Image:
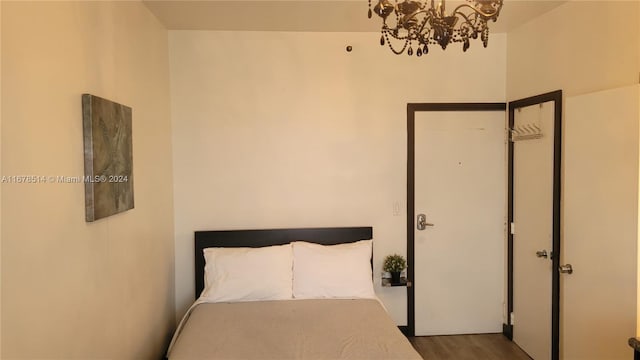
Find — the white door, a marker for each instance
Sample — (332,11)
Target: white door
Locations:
(598,300)
(460,187)
(533,164)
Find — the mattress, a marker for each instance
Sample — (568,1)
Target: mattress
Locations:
(291,329)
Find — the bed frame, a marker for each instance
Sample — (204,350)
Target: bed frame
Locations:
(268,237)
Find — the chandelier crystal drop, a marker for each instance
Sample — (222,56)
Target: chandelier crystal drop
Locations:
(413,23)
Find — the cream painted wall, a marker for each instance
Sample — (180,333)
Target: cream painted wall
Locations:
(579,47)
(72,289)
(276,129)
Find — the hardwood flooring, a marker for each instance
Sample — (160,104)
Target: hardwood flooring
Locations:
(467,347)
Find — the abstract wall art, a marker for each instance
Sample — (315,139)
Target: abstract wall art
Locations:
(108,157)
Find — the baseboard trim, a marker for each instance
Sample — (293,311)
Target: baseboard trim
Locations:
(507,330)
(404,330)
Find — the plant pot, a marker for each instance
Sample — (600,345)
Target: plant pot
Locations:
(395,277)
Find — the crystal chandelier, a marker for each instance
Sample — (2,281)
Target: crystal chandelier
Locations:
(422,24)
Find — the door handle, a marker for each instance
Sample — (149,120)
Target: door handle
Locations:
(542,254)
(422,222)
(566,269)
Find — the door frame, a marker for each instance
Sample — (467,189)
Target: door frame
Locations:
(412,108)
(507,329)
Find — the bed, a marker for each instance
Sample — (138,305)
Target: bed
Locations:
(291,303)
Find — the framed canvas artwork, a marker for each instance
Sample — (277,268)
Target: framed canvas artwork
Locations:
(108,157)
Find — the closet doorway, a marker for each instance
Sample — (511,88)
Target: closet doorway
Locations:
(534,224)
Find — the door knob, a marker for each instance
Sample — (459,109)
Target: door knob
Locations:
(566,269)
(542,254)
(422,222)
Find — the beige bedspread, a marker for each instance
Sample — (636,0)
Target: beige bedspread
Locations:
(292,329)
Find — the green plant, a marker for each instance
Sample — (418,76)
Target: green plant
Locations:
(394,263)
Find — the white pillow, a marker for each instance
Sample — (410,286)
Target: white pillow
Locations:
(332,271)
(248,274)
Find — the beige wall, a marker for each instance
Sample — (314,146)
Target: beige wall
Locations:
(276,129)
(579,47)
(72,289)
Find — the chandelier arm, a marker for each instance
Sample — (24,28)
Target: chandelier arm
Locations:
(424,23)
(467,21)
(420,12)
(422,35)
(480,12)
(428,15)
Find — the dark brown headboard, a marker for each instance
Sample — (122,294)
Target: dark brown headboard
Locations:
(259,238)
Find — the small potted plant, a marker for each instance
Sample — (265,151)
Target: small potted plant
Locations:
(394,264)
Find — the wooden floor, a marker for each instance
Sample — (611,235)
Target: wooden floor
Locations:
(468,347)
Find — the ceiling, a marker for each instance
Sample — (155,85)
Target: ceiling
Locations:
(302,15)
